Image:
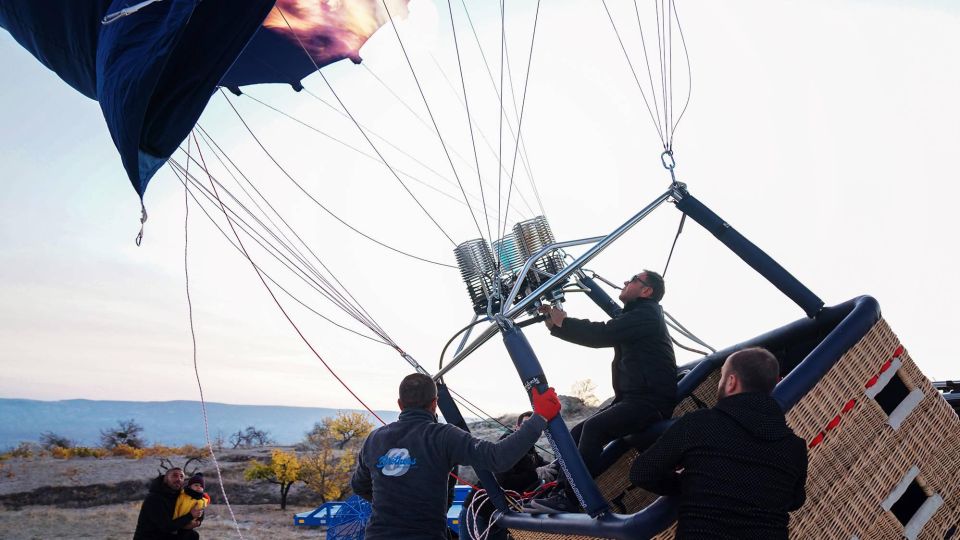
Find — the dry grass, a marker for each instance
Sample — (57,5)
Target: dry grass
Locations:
(116,522)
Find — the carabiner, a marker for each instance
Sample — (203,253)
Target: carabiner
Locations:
(667,159)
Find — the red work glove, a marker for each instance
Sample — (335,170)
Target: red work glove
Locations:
(546,404)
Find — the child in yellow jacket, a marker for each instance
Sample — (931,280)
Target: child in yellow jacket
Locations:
(191,496)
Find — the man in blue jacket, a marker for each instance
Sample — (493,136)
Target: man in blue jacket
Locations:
(644,373)
(402,467)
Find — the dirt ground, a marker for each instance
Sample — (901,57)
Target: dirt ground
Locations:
(117,522)
(18,475)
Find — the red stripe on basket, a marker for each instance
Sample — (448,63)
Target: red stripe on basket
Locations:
(873,380)
(833,423)
(886,365)
(849,406)
(899,351)
(817,440)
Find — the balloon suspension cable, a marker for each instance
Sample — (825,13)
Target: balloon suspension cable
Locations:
(193,340)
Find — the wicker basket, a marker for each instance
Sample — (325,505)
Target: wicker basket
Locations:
(860,452)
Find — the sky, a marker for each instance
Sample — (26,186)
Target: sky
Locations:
(825,132)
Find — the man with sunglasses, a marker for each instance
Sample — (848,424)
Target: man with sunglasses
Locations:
(644,373)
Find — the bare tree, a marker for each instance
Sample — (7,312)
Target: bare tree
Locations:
(50,440)
(584,390)
(126,432)
(250,437)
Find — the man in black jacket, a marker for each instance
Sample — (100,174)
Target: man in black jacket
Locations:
(402,467)
(738,468)
(155,521)
(644,371)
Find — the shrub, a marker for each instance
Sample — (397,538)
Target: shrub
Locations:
(50,440)
(85,451)
(127,451)
(59,452)
(24,450)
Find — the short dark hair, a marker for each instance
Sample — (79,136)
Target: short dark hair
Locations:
(757,368)
(655,282)
(417,391)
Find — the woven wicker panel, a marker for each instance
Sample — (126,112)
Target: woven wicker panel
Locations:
(706,392)
(831,461)
(615,481)
(860,461)
(668,534)
(949,515)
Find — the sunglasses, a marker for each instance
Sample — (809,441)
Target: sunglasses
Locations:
(638,278)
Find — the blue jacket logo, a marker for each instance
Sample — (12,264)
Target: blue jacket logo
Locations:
(396,462)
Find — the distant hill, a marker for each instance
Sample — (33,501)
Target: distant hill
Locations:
(167,422)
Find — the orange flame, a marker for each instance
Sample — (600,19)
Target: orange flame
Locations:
(329,28)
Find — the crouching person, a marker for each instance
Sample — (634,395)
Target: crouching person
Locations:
(402,467)
(738,468)
(156,521)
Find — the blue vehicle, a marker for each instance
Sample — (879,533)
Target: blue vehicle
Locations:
(453,513)
(318,517)
(323,515)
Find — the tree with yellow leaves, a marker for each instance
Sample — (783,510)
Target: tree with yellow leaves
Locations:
(283,470)
(327,471)
(331,453)
(343,429)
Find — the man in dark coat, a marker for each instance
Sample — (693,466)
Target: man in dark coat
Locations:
(738,468)
(156,514)
(644,372)
(402,467)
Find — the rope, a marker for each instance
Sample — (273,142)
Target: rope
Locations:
(524,154)
(683,218)
(179,167)
(193,340)
(359,151)
(433,120)
(362,132)
(686,53)
(355,308)
(324,288)
(646,60)
(687,333)
(466,104)
(260,274)
(321,205)
(500,115)
(523,103)
(424,123)
(280,306)
(655,118)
